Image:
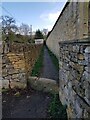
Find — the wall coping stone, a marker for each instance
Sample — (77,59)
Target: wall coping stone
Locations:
(83,41)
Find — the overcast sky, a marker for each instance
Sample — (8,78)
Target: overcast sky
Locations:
(38,14)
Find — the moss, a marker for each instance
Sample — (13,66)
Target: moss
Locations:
(4,90)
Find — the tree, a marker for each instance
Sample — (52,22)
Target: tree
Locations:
(38,35)
(8,29)
(8,25)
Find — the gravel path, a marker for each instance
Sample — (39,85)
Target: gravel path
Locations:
(49,69)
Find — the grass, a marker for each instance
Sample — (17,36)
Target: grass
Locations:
(3,90)
(38,65)
(54,59)
(56,109)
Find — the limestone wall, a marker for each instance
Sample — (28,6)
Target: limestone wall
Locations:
(89,20)
(18,63)
(69,41)
(74,77)
(71,24)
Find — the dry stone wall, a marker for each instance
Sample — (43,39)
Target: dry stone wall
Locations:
(74,77)
(18,63)
(0,77)
(13,70)
(89,21)
(71,24)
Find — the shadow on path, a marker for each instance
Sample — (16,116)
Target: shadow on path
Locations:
(49,70)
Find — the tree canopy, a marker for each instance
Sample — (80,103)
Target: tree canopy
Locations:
(38,35)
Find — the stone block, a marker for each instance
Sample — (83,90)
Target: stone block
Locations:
(86,115)
(81,49)
(17,84)
(87,50)
(87,57)
(8,77)
(81,57)
(83,62)
(76,48)
(87,69)
(70,112)
(87,100)
(15,76)
(5,84)
(86,76)
(60,64)
(79,110)
(43,84)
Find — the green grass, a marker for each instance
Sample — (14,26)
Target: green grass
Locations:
(38,65)
(56,109)
(54,59)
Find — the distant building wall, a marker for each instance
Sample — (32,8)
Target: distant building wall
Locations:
(71,24)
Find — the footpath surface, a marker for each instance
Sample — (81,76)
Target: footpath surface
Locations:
(49,70)
(27,105)
(30,104)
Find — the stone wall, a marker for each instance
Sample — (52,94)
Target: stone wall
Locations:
(71,24)
(89,20)
(69,41)
(18,63)
(74,77)
(0,78)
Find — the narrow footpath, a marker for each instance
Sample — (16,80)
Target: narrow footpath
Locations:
(49,70)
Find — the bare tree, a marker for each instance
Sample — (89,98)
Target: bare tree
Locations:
(8,25)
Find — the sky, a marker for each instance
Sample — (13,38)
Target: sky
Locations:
(38,14)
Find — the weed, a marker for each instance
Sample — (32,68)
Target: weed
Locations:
(56,109)
(38,65)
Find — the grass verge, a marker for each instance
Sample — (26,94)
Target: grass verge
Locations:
(54,58)
(56,109)
(38,65)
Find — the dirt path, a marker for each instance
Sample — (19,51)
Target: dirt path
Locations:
(49,70)
(27,105)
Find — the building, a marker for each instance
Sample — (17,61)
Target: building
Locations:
(45,31)
(39,41)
